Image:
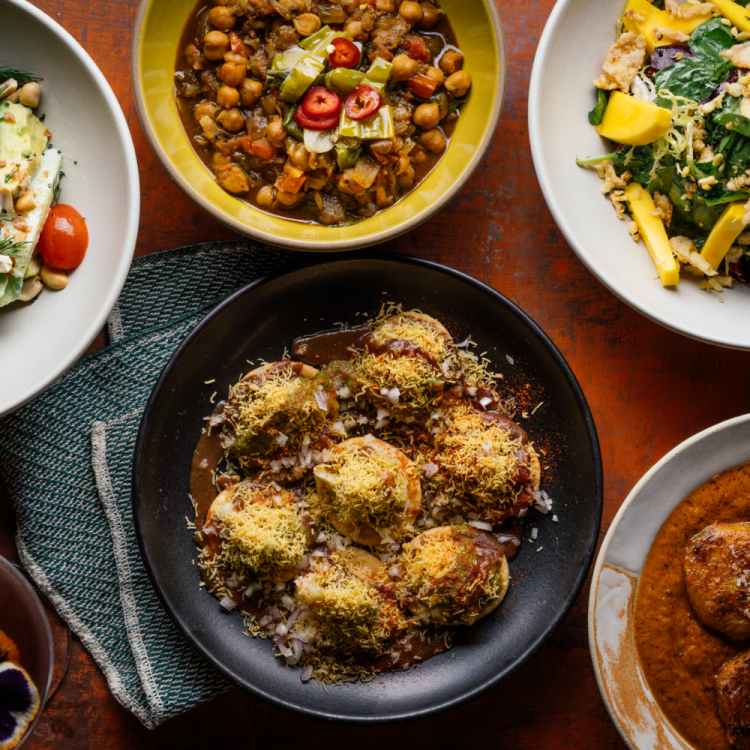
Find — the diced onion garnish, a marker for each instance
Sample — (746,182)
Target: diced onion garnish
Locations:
(322,398)
(534,533)
(227,604)
(288,602)
(394,571)
(393,395)
(430,470)
(306,673)
(464,343)
(482,525)
(282,439)
(485,402)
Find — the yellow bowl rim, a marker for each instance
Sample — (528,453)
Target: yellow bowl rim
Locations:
(322,245)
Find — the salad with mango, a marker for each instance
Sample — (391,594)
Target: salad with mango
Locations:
(674,100)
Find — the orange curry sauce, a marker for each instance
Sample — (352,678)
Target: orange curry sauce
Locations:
(679,657)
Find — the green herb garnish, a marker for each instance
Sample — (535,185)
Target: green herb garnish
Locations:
(21,76)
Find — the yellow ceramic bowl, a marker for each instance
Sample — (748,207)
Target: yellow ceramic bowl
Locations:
(156,36)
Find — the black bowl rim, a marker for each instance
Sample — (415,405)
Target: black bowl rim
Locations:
(302,265)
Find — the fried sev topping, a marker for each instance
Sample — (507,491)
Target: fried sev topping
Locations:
(445,574)
(477,458)
(360,484)
(258,411)
(349,614)
(264,532)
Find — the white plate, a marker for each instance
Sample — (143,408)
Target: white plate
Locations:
(617,571)
(569,59)
(41,340)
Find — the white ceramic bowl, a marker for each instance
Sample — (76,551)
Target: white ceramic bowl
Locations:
(617,571)
(569,59)
(41,340)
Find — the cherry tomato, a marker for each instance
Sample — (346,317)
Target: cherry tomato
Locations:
(362,103)
(325,123)
(64,238)
(346,54)
(320,104)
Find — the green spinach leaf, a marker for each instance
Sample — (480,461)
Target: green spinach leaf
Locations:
(696,77)
(597,113)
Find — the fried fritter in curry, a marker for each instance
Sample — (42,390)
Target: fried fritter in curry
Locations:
(733,697)
(717,577)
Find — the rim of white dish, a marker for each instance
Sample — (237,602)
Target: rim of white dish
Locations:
(542,173)
(318,246)
(132,181)
(600,558)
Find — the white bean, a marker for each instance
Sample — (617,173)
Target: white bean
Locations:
(54,278)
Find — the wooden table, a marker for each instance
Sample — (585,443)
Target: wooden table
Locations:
(648,388)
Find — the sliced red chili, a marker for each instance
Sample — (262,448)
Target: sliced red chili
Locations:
(345,54)
(362,103)
(325,123)
(320,103)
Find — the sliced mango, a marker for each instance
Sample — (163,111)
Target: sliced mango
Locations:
(726,230)
(739,16)
(632,121)
(653,17)
(653,233)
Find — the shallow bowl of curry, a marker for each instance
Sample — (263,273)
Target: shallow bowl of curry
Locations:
(644,637)
(157,40)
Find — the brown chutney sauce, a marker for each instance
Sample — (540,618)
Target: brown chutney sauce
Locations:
(679,657)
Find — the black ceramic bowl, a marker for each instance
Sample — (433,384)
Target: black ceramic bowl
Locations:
(262,319)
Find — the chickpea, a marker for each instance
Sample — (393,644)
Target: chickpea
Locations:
(307,24)
(293,7)
(215,45)
(426,116)
(219,160)
(25,203)
(451,61)
(459,83)
(431,15)
(385,6)
(222,18)
(53,278)
(418,155)
(276,132)
(404,68)
(233,179)
(300,156)
(228,97)
(233,74)
(356,30)
(411,12)
(231,119)
(406,179)
(436,74)
(265,196)
(30,94)
(250,92)
(192,53)
(433,140)
(204,109)
(289,200)
(404,162)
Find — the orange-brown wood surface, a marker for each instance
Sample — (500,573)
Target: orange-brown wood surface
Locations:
(648,388)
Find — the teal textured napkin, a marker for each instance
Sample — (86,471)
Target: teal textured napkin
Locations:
(66,460)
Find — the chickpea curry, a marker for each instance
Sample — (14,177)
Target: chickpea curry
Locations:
(318,111)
